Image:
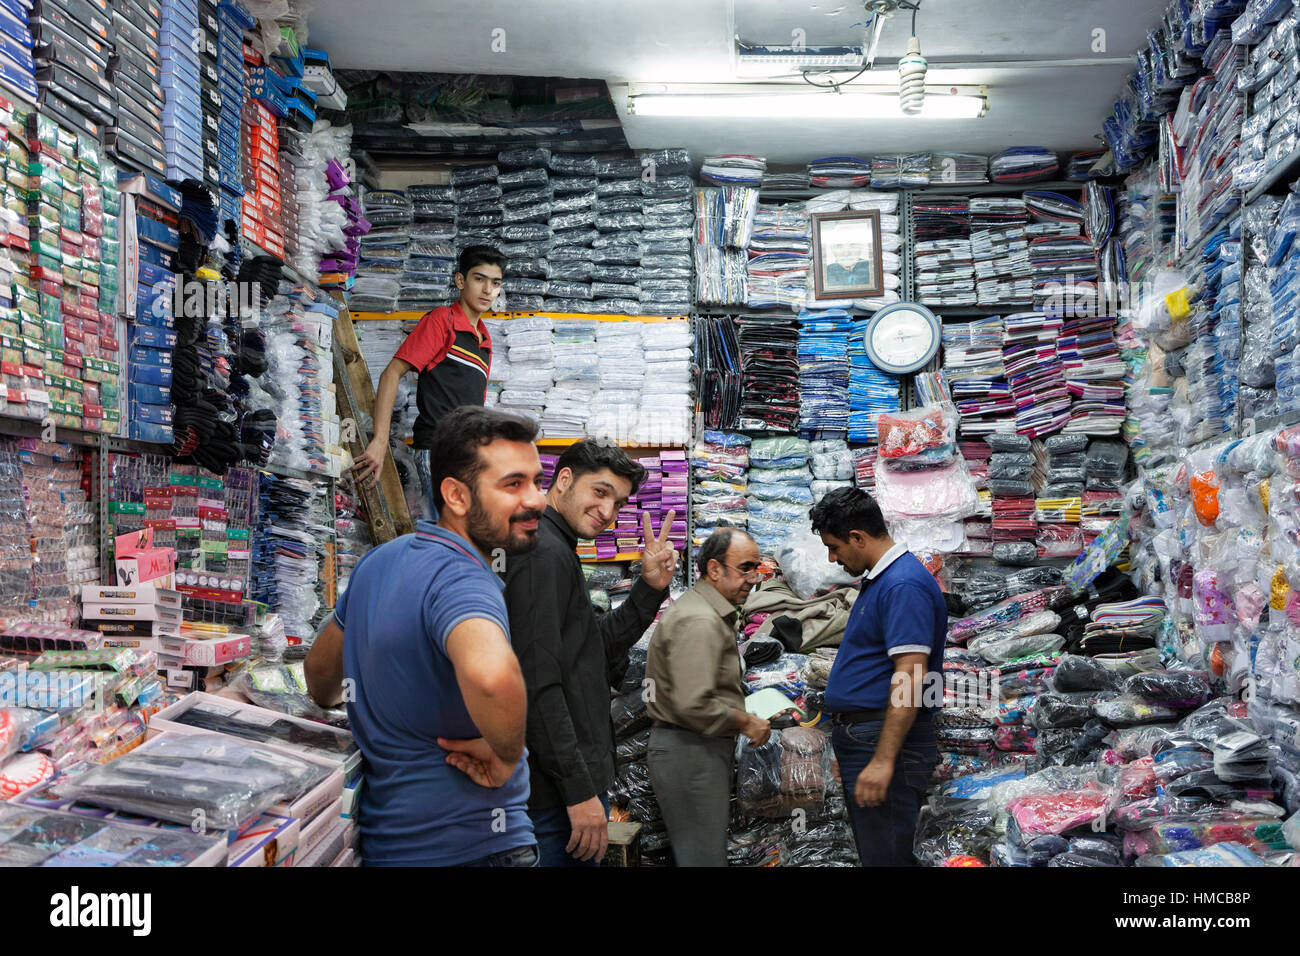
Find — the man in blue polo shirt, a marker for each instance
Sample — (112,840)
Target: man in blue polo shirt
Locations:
(419,649)
(882,691)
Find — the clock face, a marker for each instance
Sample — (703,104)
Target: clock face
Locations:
(903,338)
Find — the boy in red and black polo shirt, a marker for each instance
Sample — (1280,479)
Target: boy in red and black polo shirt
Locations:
(452,352)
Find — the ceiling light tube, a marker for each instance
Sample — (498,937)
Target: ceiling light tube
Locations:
(812,105)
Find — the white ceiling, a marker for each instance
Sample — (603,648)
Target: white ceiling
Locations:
(685,41)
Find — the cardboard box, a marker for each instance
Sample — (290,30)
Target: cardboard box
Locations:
(139,562)
(150,594)
(326,821)
(99,611)
(272,841)
(209,652)
(134,643)
(624,845)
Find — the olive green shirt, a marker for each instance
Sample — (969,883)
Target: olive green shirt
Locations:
(693,662)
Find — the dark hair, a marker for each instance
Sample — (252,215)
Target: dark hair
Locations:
(460,434)
(848,509)
(714,548)
(472,256)
(589,456)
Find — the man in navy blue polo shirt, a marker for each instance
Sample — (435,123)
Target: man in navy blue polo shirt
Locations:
(419,649)
(882,691)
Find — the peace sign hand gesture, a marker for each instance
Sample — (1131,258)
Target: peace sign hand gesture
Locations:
(658,558)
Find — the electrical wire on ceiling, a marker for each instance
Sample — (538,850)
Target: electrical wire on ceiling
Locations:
(878,11)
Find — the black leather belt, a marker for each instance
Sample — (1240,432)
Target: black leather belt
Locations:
(664,725)
(850,717)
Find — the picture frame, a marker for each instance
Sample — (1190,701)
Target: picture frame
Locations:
(846,255)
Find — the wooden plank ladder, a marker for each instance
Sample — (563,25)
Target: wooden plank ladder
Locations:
(385,501)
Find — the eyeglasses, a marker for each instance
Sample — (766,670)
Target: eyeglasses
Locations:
(746,570)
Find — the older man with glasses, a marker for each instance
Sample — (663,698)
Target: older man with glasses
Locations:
(696,697)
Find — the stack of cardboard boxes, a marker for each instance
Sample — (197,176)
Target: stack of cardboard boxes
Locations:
(182,113)
(232,20)
(151,320)
(263,207)
(135,70)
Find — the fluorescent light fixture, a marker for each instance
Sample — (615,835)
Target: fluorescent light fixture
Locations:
(788,102)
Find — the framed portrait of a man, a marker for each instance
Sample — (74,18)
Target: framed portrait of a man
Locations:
(846,255)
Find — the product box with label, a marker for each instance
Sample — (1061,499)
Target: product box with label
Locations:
(139,562)
(208,652)
(144,594)
(272,841)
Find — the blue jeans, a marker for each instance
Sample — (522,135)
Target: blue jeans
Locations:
(885,834)
(424,476)
(553,830)
(519,856)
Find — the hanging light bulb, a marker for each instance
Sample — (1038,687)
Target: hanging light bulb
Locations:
(911,78)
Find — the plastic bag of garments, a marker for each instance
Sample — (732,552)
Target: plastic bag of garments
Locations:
(1128,711)
(632,782)
(480,193)
(567,222)
(607,188)
(609,204)
(535,212)
(1176,689)
(470,175)
(567,271)
(665,187)
(574,202)
(970,831)
(805,566)
(513,201)
(1054,711)
(1075,674)
(522,179)
(524,157)
(1105,460)
(790,772)
(537,268)
(629,714)
(1019,553)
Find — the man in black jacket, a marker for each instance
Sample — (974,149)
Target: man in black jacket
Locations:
(571,658)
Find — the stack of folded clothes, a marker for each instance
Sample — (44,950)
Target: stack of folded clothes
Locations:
(769,348)
(1034,372)
(941,217)
(824,373)
(1000,248)
(966,730)
(945,272)
(871,391)
(839,171)
(1094,373)
(733,170)
(785,180)
(1060,501)
(1023,164)
(1120,627)
(778,257)
(724,226)
(719,470)
(958,168)
(901,171)
(972,365)
(569,401)
(1064,260)
(1012,483)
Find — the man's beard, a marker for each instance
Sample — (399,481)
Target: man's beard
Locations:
(488,536)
